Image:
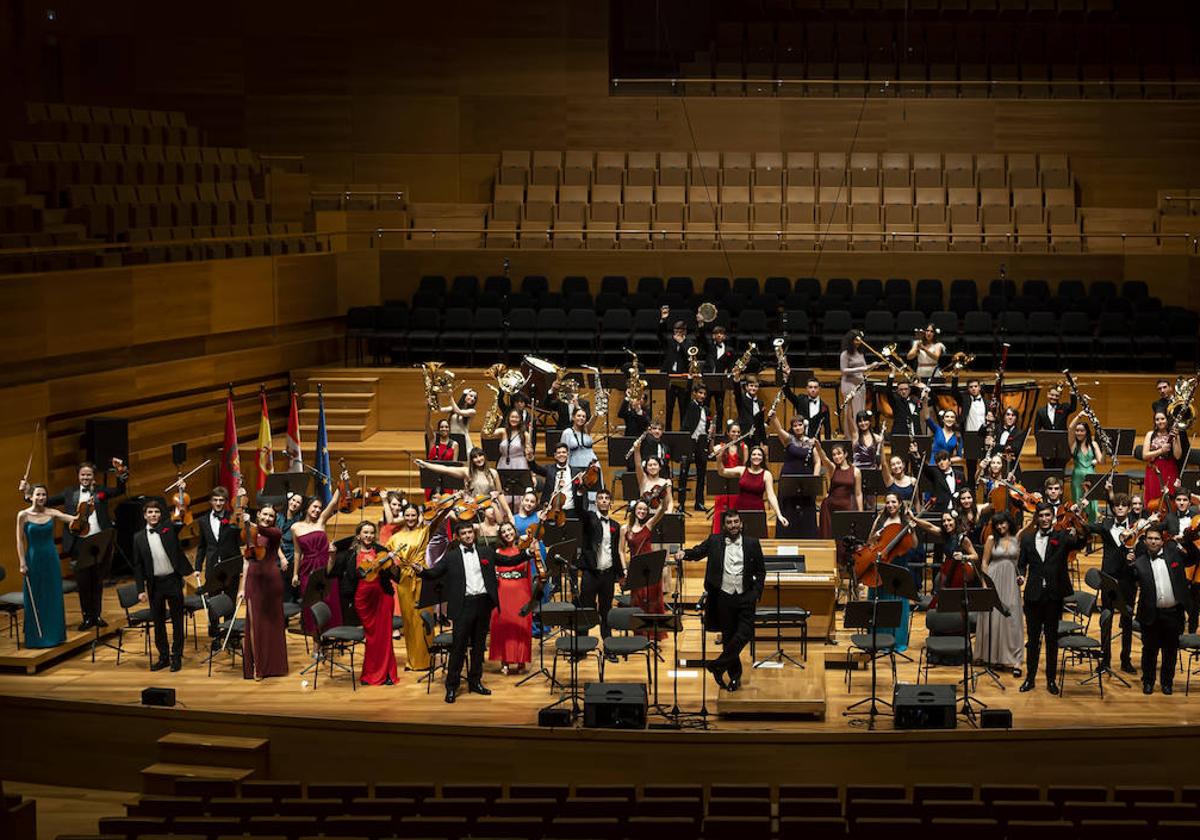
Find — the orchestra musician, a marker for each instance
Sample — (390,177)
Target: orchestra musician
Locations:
(1043,564)
(374,601)
(217,536)
(696,423)
(159,567)
(730,454)
(564,410)
(853,366)
(927,351)
(600,555)
(942,481)
(719,357)
(45,614)
(1052,417)
(1166,393)
(1184,517)
(635,417)
(557,478)
(906,406)
(733,583)
(972,413)
(799,459)
(675,344)
(461,413)
(653,485)
(1114,562)
(811,408)
(750,409)
(1163,596)
(652,445)
(264,640)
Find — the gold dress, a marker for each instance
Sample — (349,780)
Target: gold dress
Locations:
(411,546)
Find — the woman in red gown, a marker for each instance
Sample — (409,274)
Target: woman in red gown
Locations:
(264,640)
(441,446)
(636,537)
(375,603)
(845,491)
(512,633)
(728,457)
(1163,452)
(756,485)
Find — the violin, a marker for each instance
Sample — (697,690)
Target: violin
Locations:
(1068,520)
(181,503)
(533,534)
(252,547)
(349,499)
(1021,497)
(891,542)
(83,513)
(653,496)
(1130,537)
(370,564)
(439,505)
(120,469)
(469,509)
(590,477)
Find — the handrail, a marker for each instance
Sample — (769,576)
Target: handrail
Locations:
(1181,198)
(93,247)
(348,193)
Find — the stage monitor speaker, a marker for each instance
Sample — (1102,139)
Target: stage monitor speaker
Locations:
(106,438)
(158,696)
(995,719)
(608,705)
(925,707)
(556,716)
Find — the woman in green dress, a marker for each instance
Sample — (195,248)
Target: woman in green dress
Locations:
(1086,456)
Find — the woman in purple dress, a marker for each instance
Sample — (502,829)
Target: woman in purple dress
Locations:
(264,645)
(312,553)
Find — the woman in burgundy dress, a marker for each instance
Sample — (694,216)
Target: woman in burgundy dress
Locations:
(264,642)
(441,446)
(728,456)
(1163,452)
(312,553)
(755,484)
(374,601)
(512,633)
(845,490)
(636,535)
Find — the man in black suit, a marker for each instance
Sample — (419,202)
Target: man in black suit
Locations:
(972,413)
(944,482)
(1044,561)
(1182,518)
(159,567)
(601,558)
(1162,597)
(217,537)
(906,407)
(676,344)
(89,579)
(468,575)
(653,446)
(558,476)
(1166,393)
(1114,563)
(719,356)
(810,408)
(733,583)
(696,423)
(564,409)
(751,413)
(1053,417)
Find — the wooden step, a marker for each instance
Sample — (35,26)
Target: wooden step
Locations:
(340,416)
(344,433)
(338,399)
(159,778)
(344,384)
(214,750)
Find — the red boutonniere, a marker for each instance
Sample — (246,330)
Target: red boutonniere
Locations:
(483,561)
(100,497)
(1174,565)
(224,521)
(166,530)
(1054,543)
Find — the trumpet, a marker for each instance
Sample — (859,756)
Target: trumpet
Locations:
(960,360)
(706,313)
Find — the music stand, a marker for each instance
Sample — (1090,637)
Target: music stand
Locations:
(221,576)
(515,482)
(679,444)
(617,447)
(966,600)
(973,450)
(869,615)
(986,668)
(872,481)
(1035,480)
(900,444)
(556,563)
(97,551)
(1052,447)
(1120,481)
(440,482)
(1120,607)
(655,623)
(754,523)
(669,529)
(852,523)
(719,485)
(1123,440)
(629,488)
(778,567)
(491,449)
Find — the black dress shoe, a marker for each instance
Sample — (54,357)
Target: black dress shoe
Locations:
(735,683)
(451,695)
(612,657)
(718,675)
(1167,689)
(479,688)
(86,624)
(1052,687)
(176,663)
(160,664)
(99,622)
(1128,668)
(1147,688)
(1027,685)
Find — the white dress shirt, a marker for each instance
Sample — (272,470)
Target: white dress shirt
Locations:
(473,571)
(951,480)
(731,572)
(214,524)
(563,485)
(1040,542)
(604,557)
(1162,583)
(1050,414)
(86,495)
(814,408)
(976,413)
(701,425)
(162,563)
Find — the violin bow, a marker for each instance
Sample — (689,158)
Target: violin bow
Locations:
(37,427)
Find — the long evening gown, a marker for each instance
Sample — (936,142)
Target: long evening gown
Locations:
(1000,640)
(512,633)
(1084,459)
(45,582)
(646,598)
(412,546)
(841,497)
(800,511)
(264,644)
(730,458)
(374,603)
(1167,466)
(313,548)
(900,631)
(752,488)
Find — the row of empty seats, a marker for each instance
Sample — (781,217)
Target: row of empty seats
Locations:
(109,211)
(799,168)
(104,124)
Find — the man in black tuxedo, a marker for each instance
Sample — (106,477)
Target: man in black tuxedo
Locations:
(733,583)
(1182,518)
(89,579)
(468,575)
(1115,564)
(159,567)
(653,446)
(1166,392)
(1053,417)
(696,424)
(943,481)
(1043,561)
(558,476)
(217,538)
(719,356)
(751,413)
(972,413)
(676,342)
(810,408)
(906,407)
(564,409)
(1162,597)
(601,558)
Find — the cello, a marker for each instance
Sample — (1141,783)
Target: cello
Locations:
(890,542)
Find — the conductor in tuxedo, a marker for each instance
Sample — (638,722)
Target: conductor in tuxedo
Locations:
(1052,417)
(89,579)
(217,536)
(733,583)
(1042,561)
(1162,598)
(468,575)
(159,567)
(601,558)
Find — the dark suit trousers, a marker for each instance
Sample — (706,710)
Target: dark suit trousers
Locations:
(166,596)
(1161,635)
(699,462)
(677,395)
(596,590)
(735,620)
(716,408)
(1193,609)
(470,631)
(91,588)
(1126,621)
(1041,618)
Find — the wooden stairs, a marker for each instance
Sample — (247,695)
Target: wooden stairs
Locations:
(218,758)
(350,408)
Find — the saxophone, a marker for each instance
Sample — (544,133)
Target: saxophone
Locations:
(491,420)
(694,362)
(635,386)
(599,395)
(739,367)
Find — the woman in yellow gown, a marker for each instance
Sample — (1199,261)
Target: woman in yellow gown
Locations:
(411,540)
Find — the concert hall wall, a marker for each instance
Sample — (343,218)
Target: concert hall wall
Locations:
(428,95)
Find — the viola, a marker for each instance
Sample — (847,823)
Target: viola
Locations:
(891,542)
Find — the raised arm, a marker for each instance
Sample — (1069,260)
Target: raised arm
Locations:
(330,508)
(769,482)
(783,436)
(729,472)
(434,466)
(988,545)
(639,471)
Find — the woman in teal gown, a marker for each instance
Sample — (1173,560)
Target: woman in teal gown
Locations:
(45,616)
(1087,456)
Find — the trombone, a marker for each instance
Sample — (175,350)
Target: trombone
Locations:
(889,357)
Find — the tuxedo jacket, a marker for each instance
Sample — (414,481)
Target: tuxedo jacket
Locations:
(691,418)
(562,410)
(746,416)
(964,400)
(939,488)
(801,403)
(1172,522)
(213,548)
(754,571)
(635,423)
(143,560)
(1114,561)
(549,473)
(674,355)
(1048,578)
(711,363)
(656,448)
(449,570)
(593,533)
(1062,413)
(906,414)
(68,500)
(1147,602)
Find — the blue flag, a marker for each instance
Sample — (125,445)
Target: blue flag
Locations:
(324,482)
